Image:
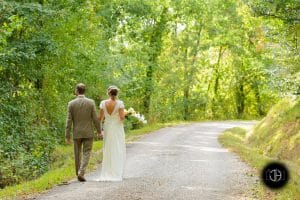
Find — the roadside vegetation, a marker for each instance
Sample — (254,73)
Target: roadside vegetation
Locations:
(62,167)
(275,138)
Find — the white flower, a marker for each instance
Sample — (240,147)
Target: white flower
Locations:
(131,111)
(135,114)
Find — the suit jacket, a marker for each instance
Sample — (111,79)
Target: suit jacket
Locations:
(82,115)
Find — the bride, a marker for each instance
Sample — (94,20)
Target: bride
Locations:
(114,149)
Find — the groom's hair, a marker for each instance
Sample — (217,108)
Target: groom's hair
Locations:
(80,88)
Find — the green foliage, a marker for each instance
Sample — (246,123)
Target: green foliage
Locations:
(26,144)
(287,10)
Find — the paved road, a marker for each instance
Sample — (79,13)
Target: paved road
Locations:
(181,162)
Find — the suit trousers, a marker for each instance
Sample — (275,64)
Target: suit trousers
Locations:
(82,148)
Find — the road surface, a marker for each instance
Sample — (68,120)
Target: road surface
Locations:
(180,162)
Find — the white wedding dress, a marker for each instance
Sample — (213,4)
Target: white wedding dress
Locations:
(114,148)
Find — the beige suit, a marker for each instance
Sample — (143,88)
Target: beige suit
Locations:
(83,117)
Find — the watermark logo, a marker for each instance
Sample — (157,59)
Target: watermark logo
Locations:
(275,175)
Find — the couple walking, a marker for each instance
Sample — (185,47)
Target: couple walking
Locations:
(82,118)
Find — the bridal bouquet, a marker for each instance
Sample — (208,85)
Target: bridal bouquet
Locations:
(134,120)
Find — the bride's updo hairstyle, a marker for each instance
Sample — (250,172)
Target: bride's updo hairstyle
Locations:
(113,91)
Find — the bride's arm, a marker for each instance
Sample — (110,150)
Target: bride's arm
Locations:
(122,114)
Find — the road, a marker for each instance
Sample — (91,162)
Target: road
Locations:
(180,162)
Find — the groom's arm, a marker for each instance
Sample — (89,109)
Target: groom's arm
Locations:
(95,119)
(69,123)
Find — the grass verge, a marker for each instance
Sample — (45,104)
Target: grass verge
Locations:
(234,140)
(62,169)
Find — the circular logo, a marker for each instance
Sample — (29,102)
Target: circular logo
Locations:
(275,175)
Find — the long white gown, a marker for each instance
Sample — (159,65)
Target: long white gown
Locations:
(114,148)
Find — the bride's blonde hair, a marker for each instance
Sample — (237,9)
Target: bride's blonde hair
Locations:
(112,91)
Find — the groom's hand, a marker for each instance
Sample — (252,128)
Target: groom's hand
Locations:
(68,141)
(99,135)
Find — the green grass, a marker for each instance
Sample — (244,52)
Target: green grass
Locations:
(235,140)
(62,169)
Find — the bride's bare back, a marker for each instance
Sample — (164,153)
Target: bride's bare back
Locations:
(110,106)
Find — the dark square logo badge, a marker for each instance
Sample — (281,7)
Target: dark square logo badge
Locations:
(275,175)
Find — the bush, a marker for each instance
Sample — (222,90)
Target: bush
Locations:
(26,142)
(25,157)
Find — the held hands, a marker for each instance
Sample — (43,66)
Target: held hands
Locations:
(100,135)
(68,141)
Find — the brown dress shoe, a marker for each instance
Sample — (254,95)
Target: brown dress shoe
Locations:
(81,178)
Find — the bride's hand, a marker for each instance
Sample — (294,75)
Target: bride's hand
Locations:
(100,135)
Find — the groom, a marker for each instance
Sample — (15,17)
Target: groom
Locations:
(82,116)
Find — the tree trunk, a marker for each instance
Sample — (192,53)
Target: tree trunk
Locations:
(155,44)
(215,82)
(186,89)
(216,87)
(240,100)
(189,71)
(148,89)
(258,100)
